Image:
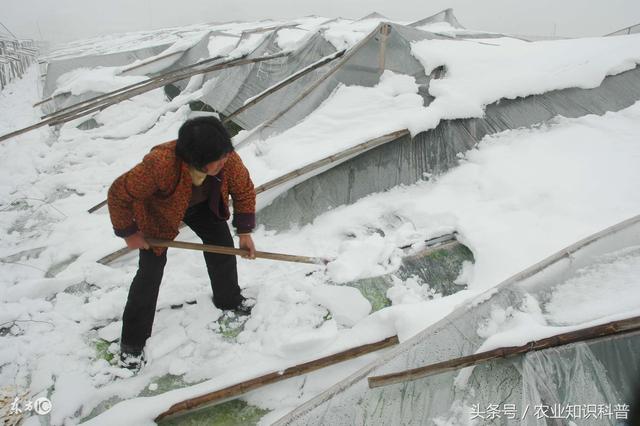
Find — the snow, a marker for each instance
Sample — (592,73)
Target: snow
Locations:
(99,79)
(248,44)
(479,72)
(609,286)
(290,38)
(292,76)
(108,79)
(346,304)
(56,301)
(221,45)
(365,112)
(604,291)
(346,34)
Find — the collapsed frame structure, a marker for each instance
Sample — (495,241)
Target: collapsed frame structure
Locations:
(596,372)
(403,161)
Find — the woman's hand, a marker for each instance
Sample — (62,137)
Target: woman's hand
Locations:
(246,243)
(137,241)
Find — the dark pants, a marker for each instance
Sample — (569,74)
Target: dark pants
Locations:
(140,309)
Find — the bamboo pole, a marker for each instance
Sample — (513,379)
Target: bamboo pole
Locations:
(385,30)
(151,61)
(265,29)
(154,242)
(138,88)
(315,165)
(284,178)
(131,86)
(370,144)
(114,256)
(328,74)
(98,206)
(332,159)
(284,83)
(585,334)
(254,101)
(236,390)
(111,101)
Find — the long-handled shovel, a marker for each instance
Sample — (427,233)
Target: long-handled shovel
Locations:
(237,252)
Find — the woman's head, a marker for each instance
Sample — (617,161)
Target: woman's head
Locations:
(204,144)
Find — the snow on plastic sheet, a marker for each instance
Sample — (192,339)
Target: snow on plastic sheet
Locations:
(114,43)
(101,80)
(290,38)
(479,73)
(363,113)
(345,34)
(221,45)
(609,286)
(248,45)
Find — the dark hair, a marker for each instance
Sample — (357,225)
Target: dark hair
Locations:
(202,140)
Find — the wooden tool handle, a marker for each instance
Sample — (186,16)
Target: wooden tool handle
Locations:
(234,251)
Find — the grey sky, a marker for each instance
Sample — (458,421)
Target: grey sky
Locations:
(64,20)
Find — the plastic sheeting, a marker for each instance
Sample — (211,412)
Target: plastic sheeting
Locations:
(634,29)
(194,54)
(443,16)
(389,48)
(580,374)
(229,89)
(56,68)
(406,160)
(436,272)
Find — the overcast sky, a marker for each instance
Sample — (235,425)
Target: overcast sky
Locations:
(64,20)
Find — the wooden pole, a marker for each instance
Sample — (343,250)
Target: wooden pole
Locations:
(151,84)
(385,30)
(332,159)
(114,256)
(131,86)
(315,165)
(585,334)
(236,390)
(284,178)
(151,61)
(284,83)
(154,242)
(159,77)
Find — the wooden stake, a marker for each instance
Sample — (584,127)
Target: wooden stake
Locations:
(236,390)
(590,333)
(384,35)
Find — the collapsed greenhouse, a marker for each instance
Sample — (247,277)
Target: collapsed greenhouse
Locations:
(339,117)
(598,373)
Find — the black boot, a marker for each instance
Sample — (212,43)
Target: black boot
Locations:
(132,360)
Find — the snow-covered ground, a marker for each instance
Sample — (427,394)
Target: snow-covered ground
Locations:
(520,196)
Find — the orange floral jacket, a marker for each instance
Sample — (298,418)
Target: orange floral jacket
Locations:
(153,196)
